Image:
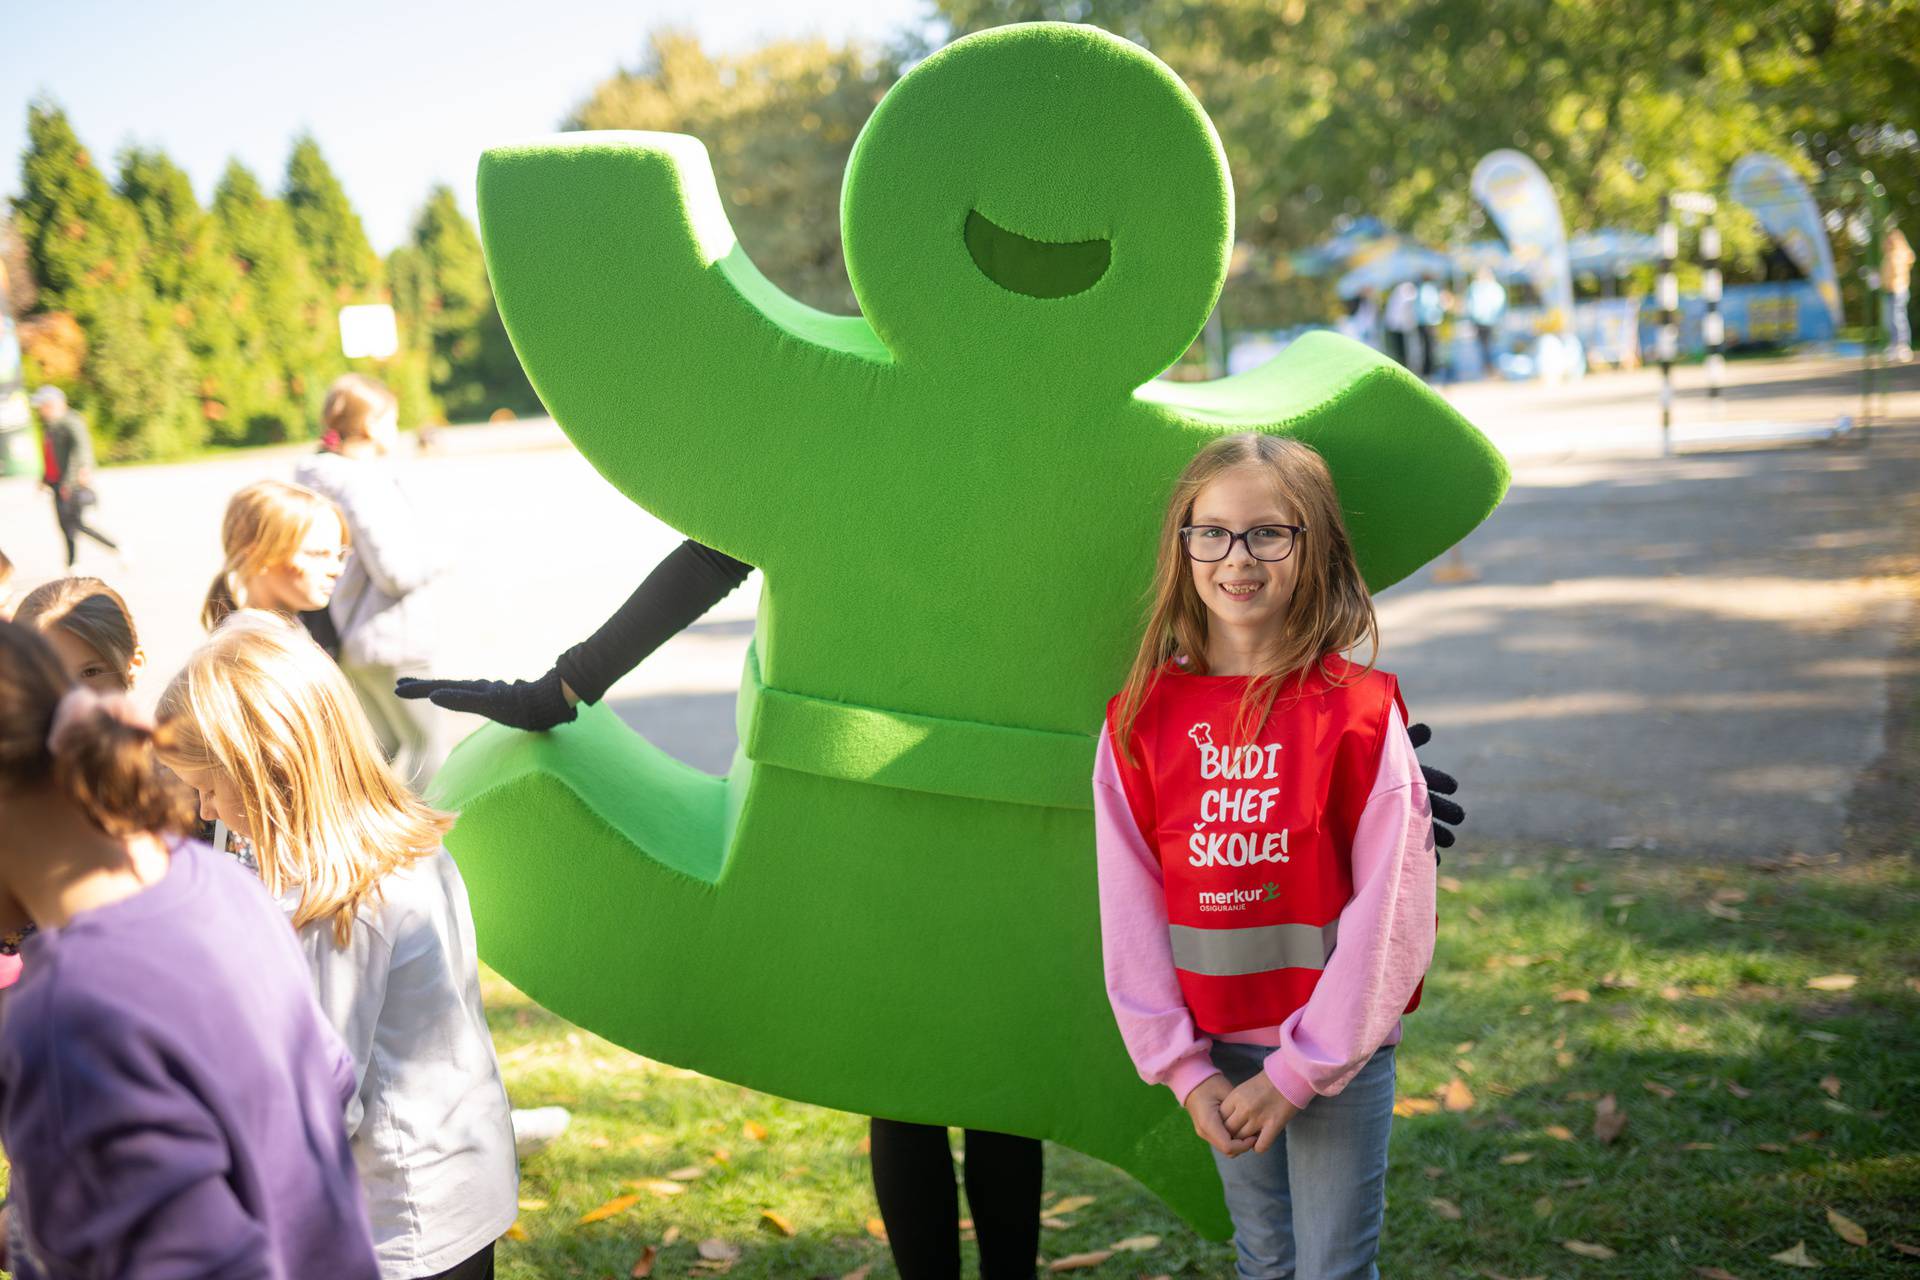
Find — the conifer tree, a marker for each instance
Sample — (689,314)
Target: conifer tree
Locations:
(329,229)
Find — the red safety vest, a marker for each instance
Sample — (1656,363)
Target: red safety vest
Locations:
(1255,841)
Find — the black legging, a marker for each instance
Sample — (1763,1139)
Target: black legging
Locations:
(69,510)
(913,1178)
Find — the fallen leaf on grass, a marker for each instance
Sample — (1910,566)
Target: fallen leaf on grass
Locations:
(1052,1223)
(671,1238)
(1774,1147)
(1543,1207)
(1811,1135)
(599,1142)
(1729,895)
(1609,1119)
(1672,993)
(721,1155)
(1449,884)
(1832,982)
(1080,1261)
(754,1130)
(1136,1244)
(1456,1096)
(689,1173)
(533,1206)
(660,1187)
(1559,1131)
(717,1250)
(1699,1146)
(1822,1037)
(1573,995)
(876,1228)
(1434,1172)
(1068,1204)
(1714,1273)
(1415,1107)
(1846,1228)
(1563,1059)
(619,1204)
(1830,1085)
(1795,1257)
(866,1145)
(1720,911)
(778,1221)
(1465,1046)
(643,1265)
(1737,1091)
(858,1273)
(517,1232)
(1445,1208)
(1574,1183)
(1587,1249)
(1516,1157)
(1911,1250)
(1656,1088)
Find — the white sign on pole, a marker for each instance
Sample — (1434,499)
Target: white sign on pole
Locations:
(368,332)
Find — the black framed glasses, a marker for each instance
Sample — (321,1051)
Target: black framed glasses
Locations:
(1208,543)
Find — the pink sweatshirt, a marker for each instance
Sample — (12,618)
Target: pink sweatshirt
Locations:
(1386,941)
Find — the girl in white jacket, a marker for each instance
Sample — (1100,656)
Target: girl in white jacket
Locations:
(383,606)
(265,728)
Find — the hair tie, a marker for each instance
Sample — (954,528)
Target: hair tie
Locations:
(80,702)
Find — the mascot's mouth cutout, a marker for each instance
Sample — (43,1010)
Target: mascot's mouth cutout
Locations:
(1035,267)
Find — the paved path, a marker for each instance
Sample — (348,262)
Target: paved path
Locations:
(1691,652)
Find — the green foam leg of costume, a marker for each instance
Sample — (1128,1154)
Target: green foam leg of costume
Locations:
(889,904)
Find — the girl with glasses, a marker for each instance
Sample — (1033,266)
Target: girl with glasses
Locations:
(1266,856)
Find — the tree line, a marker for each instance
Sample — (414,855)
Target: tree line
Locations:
(177,327)
(180,327)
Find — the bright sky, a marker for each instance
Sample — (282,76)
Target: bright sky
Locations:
(400,96)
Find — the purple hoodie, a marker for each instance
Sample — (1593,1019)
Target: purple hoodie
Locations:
(171,1099)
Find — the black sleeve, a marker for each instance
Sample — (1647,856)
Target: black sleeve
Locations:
(690,581)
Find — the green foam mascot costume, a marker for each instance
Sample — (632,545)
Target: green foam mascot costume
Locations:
(888,905)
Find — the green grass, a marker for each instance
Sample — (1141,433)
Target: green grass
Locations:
(1694,1002)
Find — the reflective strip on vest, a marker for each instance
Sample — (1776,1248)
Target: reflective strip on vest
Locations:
(1229,953)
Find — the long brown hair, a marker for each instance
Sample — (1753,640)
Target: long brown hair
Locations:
(1330,613)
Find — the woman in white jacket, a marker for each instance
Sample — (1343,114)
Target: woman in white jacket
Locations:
(383,606)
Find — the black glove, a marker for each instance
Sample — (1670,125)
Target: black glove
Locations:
(1439,787)
(535,705)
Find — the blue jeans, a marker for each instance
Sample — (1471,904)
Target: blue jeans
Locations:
(1311,1207)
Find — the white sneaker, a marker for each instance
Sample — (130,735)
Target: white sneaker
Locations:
(536,1130)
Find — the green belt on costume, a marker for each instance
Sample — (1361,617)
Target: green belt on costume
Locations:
(912,752)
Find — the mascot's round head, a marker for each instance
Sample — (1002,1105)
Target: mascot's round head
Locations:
(1046,191)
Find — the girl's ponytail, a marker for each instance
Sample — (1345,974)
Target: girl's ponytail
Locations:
(220,601)
(105,756)
(98,750)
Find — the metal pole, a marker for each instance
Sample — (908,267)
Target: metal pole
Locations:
(1669,340)
(1715,329)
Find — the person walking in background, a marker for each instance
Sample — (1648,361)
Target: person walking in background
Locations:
(1486,304)
(66,447)
(1430,309)
(1402,321)
(171,1100)
(1896,275)
(383,605)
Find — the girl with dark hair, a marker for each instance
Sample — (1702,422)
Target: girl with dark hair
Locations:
(171,1101)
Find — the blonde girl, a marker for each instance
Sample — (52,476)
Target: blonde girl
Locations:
(268,732)
(1256,800)
(285,547)
(90,628)
(385,609)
